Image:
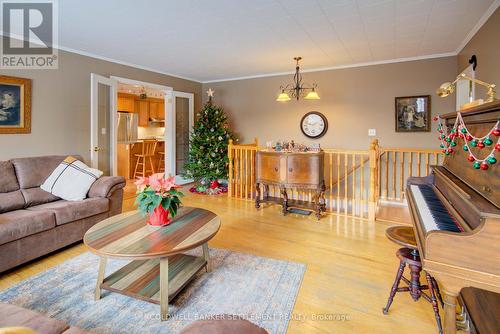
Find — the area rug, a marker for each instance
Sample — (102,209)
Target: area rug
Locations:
(260,289)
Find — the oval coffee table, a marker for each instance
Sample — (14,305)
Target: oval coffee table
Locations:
(159,269)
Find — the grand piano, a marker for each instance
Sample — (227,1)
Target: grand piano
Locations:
(456,215)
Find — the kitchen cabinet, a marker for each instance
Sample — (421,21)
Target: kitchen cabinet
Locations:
(126,102)
(142,107)
(157,109)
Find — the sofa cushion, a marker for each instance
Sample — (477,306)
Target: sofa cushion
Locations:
(37,196)
(223,324)
(10,201)
(8,181)
(32,172)
(18,224)
(17,316)
(69,211)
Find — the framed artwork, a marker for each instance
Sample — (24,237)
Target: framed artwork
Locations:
(413,113)
(15,105)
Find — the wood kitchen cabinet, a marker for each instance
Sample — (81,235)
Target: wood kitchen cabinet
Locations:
(157,109)
(126,102)
(303,171)
(142,107)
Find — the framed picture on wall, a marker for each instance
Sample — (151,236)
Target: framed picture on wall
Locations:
(15,105)
(413,113)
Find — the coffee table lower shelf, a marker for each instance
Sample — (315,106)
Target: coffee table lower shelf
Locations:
(140,279)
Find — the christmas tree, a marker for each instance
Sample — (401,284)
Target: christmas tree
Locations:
(208,160)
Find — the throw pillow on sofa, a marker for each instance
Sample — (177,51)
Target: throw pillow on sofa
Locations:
(71,180)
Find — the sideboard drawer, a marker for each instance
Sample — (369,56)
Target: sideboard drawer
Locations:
(268,167)
(304,169)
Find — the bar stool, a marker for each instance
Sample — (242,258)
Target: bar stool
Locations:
(148,152)
(161,162)
(408,255)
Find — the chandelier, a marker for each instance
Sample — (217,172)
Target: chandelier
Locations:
(297,89)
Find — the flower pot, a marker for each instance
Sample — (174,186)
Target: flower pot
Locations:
(159,217)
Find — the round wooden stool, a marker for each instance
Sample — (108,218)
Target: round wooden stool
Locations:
(409,256)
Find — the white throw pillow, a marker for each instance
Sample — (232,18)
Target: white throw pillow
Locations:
(71,180)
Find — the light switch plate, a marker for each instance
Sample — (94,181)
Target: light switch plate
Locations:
(103,131)
(372,132)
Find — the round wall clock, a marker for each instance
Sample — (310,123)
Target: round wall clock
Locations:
(314,124)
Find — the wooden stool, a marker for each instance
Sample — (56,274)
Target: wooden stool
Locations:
(161,162)
(408,255)
(148,152)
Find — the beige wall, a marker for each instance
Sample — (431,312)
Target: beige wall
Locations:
(61,105)
(486,46)
(353,100)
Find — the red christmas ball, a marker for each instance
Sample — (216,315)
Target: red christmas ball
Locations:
(468,137)
(497,147)
(435,119)
(484,166)
(480,144)
(461,135)
(470,158)
(496,132)
(214,184)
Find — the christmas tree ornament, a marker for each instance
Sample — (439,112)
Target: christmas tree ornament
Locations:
(453,143)
(473,143)
(463,130)
(492,160)
(466,148)
(497,147)
(480,144)
(468,137)
(488,141)
(471,158)
(496,132)
(476,165)
(484,166)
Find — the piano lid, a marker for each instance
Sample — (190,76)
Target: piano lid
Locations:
(479,120)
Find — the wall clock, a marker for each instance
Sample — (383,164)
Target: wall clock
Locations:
(314,124)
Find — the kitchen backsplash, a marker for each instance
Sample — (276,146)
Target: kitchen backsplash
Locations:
(150,132)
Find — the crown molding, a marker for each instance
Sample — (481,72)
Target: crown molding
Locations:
(112,60)
(493,7)
(339,67)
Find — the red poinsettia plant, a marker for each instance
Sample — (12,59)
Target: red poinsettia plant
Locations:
(158,196)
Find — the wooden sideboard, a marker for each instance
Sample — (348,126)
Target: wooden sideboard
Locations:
(291,170)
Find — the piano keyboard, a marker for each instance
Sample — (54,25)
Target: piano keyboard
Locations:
(434,214)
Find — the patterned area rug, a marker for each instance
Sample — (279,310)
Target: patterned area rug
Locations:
(260,289)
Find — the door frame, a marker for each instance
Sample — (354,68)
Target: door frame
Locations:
(95,80)
(190,97)
(168,110)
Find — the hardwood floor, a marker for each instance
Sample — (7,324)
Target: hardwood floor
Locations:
(350,266)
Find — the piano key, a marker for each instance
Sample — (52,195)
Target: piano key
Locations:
(434,214)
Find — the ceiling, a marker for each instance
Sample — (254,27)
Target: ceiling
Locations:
(210,40)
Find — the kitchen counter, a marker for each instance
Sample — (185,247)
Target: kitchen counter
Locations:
(127,159)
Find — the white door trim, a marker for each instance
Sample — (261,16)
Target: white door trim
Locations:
(95,80)
(190,97)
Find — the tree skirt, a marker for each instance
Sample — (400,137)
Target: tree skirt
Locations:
(213,189)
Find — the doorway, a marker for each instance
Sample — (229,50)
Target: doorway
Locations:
(171,125)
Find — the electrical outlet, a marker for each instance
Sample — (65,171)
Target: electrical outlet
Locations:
(372,132)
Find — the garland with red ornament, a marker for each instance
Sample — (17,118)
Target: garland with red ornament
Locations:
(459,130)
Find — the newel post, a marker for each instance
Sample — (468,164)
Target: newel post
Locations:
(372,195)
(230,176)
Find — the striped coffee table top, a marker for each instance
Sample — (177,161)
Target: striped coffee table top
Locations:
(128,236)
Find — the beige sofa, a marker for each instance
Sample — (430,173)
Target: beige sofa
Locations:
(33,222)
(14,316)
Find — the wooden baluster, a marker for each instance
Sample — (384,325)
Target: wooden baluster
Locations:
(252,174)
(330,197)
(386,178)
(394,173)
(242,161)
(353,175)
(362,187)
(247,171)
(230,176)
(410,164)
(401,175)
(338,182)
(427,155)
(418,164)
(373,196)
(346,167)
(436,159)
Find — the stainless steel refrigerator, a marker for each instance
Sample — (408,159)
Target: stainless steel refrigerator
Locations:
(127,127)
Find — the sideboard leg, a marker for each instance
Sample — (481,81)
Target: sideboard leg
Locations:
(257,195)
(285,200)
